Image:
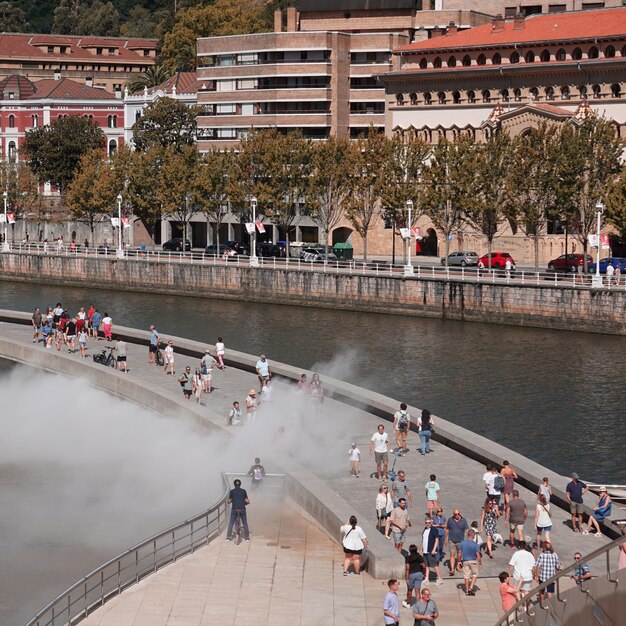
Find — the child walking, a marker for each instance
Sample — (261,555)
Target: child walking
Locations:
(355,460)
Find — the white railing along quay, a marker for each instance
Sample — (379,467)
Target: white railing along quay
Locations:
(421,272)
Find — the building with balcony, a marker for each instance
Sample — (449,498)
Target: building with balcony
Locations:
(107,62)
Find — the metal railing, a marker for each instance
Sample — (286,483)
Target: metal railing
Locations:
(421,272)
(128,568)
(529,604)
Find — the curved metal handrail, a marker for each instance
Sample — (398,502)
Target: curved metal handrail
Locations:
(134,564)
(517,609)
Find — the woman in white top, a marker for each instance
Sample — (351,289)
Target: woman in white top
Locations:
(220,351)
(168,358)
(107,327)
(353,542)
(196,383)
(543,520)
(384,507)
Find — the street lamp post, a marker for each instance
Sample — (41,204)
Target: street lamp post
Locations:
(408,268)
(5,243)
(120,249)
(254,260)
(597,278)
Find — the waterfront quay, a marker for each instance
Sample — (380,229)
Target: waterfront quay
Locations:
(295,562)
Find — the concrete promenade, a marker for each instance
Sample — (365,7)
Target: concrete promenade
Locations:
(270,581)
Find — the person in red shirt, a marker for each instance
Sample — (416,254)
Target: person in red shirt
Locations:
(90,313)
(509,594)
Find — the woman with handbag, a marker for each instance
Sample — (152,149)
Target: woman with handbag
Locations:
(384,506)
(543,520)
(354,542)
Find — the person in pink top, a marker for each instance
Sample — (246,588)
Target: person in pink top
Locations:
(509,594)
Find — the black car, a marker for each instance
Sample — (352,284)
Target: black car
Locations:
(176,245)
(270,250)
(213,251)
(238,247)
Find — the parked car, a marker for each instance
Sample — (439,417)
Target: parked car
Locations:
(176,245)
(223,248)
(461,258)
(496,260)
(238,247)
(319,257)
(270,249)
(604,263)
(568,263)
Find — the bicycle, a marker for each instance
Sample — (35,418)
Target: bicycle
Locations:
(238,528)
(159,360)
(108,360)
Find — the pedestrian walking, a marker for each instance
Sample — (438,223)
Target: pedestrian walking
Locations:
(610,270)
(391,604)
(545,489)
(96,319)
(543,520)
(82,342)
(425,609)
(121,350)
(354,542)
(430,548)
(316,389)
(574,492)
(220,351)
(400,489)
(251,405)
(384,508)
(546,566)
(196,383)
(516,516)
(439,523)
(107,325)
(380,447)
(400,521)
(234,415)
(582,571)
(509,594)
(185,381)
(70,336)
(401,426)
(36,322)
(257,473)
(168,358)
(355,460)
(509,476)
(207,364)
(456,527)
(521,568)
(425,425)
(263,371)
(414,573)
(471,561)
(489,523)
(153,345)
(432,489)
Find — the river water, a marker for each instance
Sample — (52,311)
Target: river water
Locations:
(557,397)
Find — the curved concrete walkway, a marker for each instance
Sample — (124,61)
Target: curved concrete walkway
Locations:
(459,476)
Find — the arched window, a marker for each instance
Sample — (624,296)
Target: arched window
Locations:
(534,93)
(561,55)
(109,121)
(530,57)
(471,97)
(597,91)
(504,94)
(413,98)
(423,64)
(565,93)
(514,58)
(112,147)
(486,95)
(577,55)
(545,56)
(437,62)
(549,93)
(12,152)
(452,62)
(428,99)
(582,90)
(467,60)
(517,94)
(441,96)
(497,59)
(400,99)
(137,116)
(481,60)
(616,90)
(11,121)
(456,97)
(593,53)
(609,52)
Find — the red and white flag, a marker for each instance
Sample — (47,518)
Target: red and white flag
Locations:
(11,218)
(260,227)
(126,222)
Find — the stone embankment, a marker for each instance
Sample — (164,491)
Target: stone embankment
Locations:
(544,303)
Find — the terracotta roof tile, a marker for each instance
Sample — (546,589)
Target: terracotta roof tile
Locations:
(184,82)
(67,89)
(20,86)
(574,25)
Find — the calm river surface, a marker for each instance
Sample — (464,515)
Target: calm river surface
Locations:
(557,397)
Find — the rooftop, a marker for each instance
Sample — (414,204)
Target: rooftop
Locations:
(316,6)
(551,27)
(63,89)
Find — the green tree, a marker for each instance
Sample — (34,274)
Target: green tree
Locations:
(12,18)
(329,184)
(589,166)
(100,19)
(211,187)
(616,204)
(449,180)
(488,207)
(140,22)
(402,180)
(366,172)
(22,189)
(167,123)
(222,17)
(66,17)
(54,151)
(152,77)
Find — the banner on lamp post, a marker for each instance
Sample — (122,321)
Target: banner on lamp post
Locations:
(3,218)
(260,227)
(604,241)
(405,233)
(115,222)
(250,228)
(11,218)
(416,232)
(126,222)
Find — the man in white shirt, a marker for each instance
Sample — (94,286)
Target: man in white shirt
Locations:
(489,478)
(380,447)
(263,371)
(521,567)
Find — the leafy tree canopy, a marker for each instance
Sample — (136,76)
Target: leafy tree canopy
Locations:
(12,18)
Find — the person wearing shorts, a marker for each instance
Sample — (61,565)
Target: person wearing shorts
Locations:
(153,345)
(186,382)
(380,446)
(121,351)
(36,322)
(413,574)
(574,491)
(399,523)
(430,549)
(207,364)
(517,513)
(469,555)
(521,567)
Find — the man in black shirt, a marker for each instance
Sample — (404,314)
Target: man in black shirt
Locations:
(414,574)
(238,499)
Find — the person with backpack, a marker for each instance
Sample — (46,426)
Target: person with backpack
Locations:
(207,363)
(494,483)
(425,425)
(257,472)
(401,426)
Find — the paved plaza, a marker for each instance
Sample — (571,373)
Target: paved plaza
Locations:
(291,570)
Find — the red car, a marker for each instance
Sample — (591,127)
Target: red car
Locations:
(568,263)
(496,260)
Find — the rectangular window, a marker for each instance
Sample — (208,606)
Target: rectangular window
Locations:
(226,59)
(225,85)
(510,12)
(531,10)
(111,51)
(557,8)
(98,50)
(250,58)
(249,83)
(226,109)
(588,6)
(50,49)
